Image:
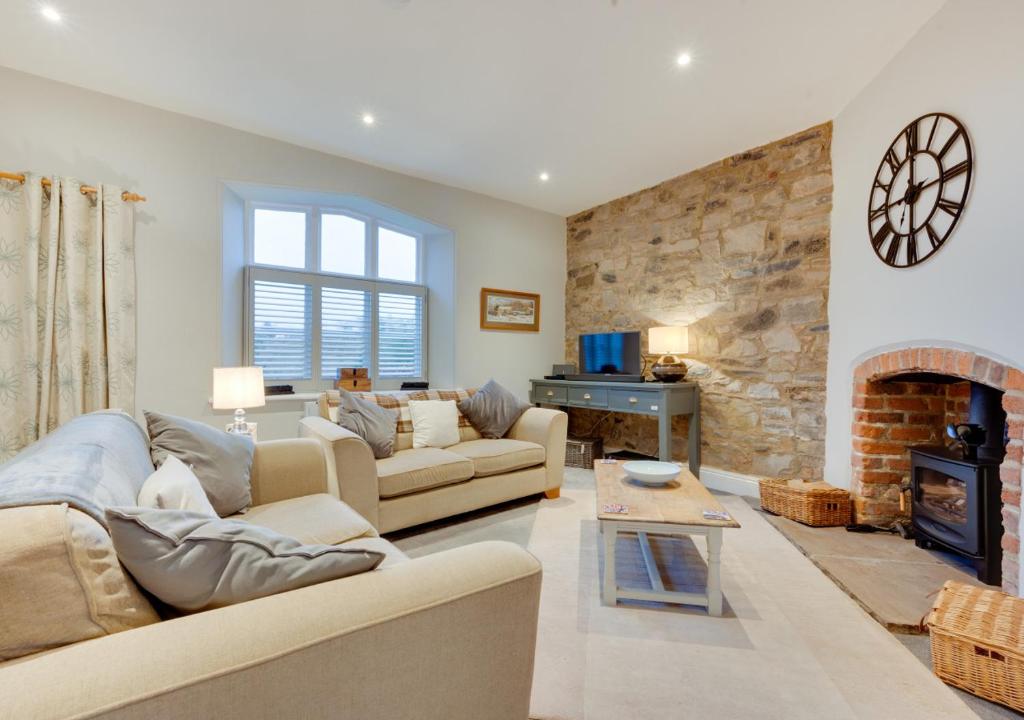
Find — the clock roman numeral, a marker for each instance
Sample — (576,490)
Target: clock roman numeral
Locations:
(949,143)
(877,212)
(880,236)
(958,169)
(950,206)
(911,135)
(912,249)
(892,158)
(933,236)
(931,134)
(894,249)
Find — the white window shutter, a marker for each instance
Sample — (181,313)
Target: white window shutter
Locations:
(281,330)
(399,335)
(345,334)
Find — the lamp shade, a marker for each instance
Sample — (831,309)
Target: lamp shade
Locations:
(668,340)
(238,387)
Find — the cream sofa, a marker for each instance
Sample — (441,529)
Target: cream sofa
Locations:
(417,485)
(448,636)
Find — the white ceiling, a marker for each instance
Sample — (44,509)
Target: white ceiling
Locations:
(482,94)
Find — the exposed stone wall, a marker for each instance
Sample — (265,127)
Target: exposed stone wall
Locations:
(739,251)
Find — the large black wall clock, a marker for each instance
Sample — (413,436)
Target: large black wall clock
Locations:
(920,190)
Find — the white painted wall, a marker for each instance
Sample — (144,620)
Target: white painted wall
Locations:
(967,61)
(180,164)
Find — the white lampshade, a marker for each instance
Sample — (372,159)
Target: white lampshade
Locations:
(238,387)
(671,340)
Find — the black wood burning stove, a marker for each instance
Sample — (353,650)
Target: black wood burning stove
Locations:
(956,506)
(955,493)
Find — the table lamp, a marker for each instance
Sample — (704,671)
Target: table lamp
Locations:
(669,342)
(239,388)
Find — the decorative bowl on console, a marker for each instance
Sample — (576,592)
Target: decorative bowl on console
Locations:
(650,472)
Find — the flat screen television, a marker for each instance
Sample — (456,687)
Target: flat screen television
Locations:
(615,353)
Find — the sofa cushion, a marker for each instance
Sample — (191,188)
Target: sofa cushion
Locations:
(222,461)
(435,423)
(409,471)
(373,423)
(399,402)
(175,487)
(392,555)
(61,582)
(492,410)
(312,519)
(492,457)
(194,562)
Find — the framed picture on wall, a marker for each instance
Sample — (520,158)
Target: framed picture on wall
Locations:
(509,310)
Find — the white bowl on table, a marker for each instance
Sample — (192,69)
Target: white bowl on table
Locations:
(651,472)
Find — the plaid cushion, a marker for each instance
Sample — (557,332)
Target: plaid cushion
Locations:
(399,402)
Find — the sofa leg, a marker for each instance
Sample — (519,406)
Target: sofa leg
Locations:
(553,494)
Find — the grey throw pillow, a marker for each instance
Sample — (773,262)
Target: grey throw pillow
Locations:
(222,461)
(492,410)
(194,562)
(374,424)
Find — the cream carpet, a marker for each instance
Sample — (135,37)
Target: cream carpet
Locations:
(791,645)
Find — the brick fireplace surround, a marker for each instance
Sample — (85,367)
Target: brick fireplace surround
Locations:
(889,416)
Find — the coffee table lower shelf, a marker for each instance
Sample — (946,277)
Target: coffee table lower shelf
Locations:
(611,593)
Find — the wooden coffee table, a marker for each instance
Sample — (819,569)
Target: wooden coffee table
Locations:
(675,509)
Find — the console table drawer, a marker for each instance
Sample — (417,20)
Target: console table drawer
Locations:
(588,397)
(634,401)
(550,394)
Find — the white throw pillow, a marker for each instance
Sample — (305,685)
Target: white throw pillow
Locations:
(175,487)
(435,423)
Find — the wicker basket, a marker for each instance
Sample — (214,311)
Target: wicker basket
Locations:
(582,452)
(978,642)
(817,504)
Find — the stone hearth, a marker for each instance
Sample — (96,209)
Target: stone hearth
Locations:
(892,413)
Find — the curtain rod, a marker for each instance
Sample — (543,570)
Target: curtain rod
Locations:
(85,189)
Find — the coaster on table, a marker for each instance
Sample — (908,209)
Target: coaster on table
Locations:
(716,515)
(615,508)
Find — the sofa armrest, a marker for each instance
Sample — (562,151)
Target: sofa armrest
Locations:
(351,467)
(284,469)
(546,427)
(450,635)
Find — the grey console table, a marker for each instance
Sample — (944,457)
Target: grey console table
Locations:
(661,400)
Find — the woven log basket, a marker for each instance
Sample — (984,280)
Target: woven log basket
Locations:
(978,642)
(817,504)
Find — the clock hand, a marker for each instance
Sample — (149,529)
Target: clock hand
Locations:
(916,189)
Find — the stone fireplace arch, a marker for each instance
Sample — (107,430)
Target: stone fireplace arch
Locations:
(879,448)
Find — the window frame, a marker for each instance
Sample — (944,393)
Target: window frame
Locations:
(317,279)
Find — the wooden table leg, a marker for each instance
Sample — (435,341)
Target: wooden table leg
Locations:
(608,587)
(715,571)
(664,435)
(693,441)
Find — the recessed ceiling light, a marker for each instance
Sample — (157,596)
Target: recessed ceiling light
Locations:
(683,59)
(50,13)
(544,177)
(368,119)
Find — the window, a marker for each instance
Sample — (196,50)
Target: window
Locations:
(326,289)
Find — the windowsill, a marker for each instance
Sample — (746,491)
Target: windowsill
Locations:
(299,396)
(294,396)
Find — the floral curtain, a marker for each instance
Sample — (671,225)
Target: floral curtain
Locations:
(67,306)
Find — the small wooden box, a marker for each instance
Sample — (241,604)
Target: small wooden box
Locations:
(346,373)
(354,384)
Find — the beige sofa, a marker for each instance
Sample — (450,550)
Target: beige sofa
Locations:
(450,635)
(417,485)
